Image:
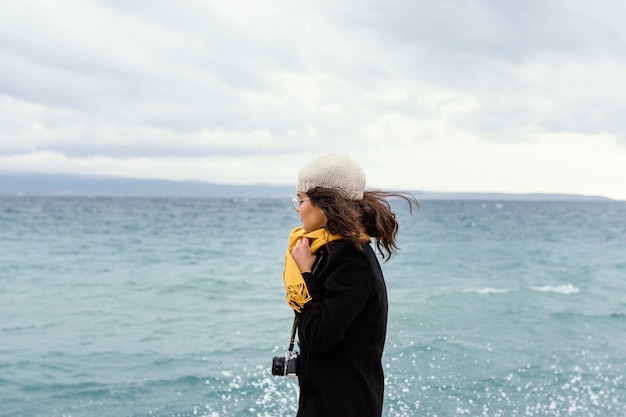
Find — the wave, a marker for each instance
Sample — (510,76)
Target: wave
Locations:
(488,290)
(567,289)
(560,289)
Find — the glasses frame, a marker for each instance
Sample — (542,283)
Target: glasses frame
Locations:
(297,202)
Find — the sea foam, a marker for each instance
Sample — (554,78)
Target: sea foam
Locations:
(560,289)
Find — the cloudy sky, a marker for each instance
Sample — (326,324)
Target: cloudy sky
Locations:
(446,95)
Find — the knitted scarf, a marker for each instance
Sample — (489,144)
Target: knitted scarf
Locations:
(297,292)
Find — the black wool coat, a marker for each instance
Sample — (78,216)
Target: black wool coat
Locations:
(342,334)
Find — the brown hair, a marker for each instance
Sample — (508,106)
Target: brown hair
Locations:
(372,214)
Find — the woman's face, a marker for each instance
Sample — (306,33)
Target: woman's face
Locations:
(312,217)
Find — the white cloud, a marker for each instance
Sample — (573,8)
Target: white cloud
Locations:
(548,163)
(486,96)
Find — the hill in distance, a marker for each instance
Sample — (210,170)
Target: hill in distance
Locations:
(58,185)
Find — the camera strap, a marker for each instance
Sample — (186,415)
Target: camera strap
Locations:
(293,333)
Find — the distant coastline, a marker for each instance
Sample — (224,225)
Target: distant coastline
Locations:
(66,185)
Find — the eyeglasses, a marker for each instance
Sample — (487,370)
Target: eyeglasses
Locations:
(297,202)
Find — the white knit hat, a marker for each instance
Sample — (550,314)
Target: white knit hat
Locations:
(333,170)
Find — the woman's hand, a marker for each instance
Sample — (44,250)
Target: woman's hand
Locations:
(301,253)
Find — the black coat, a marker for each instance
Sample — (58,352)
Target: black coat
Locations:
(342,334)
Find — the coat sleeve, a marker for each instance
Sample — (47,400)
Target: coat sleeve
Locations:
(325,319)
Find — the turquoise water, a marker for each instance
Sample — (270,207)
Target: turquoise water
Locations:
(174,307)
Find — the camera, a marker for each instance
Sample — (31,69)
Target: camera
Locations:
(288,365)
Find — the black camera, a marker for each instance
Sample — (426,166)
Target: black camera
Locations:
(288,365)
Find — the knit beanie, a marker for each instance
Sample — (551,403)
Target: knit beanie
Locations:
(333,170)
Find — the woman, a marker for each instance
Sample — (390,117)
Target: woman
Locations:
(335,284)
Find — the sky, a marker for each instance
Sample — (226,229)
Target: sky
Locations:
(447,95)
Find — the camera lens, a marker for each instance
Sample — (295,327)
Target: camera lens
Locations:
(278,366)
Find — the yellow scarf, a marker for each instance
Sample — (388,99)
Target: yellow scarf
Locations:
(297,292)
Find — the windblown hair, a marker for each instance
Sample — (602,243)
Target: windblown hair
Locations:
(372,215)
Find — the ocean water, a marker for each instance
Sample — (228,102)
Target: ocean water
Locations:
(174,308)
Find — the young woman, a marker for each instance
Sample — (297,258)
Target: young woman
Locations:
(336,287)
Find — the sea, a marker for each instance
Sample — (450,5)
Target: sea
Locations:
(174,307)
